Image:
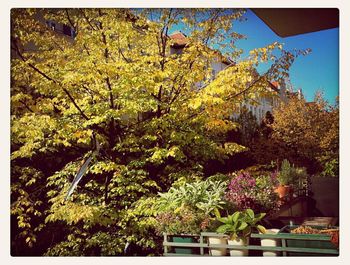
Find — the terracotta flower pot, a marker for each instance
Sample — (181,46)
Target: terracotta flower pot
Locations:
(283,191)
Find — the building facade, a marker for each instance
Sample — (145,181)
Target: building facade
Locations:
(262,105)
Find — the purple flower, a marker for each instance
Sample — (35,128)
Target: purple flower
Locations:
(243,182)
(240,191)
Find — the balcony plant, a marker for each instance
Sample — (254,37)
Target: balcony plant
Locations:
(189,208)
(253,192)
(285,179)
(291,179)
(239,226)
(240,191)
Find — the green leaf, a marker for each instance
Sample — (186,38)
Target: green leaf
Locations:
(217,213)
(223,228)
(260,216)
(261,229)
(236,216)
(250,213)
(242,226)
(224,220)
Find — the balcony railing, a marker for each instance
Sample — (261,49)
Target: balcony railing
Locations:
(288,245)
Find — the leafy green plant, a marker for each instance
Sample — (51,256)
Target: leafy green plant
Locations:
(190,207)
(285,176)
(241,224)
(291,175)
(331,168)
(205,196)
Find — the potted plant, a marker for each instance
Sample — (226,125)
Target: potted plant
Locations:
(239,226)
(285,179)
(216,239)
(181,226)
(189,208)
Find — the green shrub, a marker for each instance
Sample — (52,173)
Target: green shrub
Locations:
(190,207)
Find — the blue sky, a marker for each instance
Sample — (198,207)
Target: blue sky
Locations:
(319,70)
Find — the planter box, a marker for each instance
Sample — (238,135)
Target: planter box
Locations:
(312,241)
(184,239)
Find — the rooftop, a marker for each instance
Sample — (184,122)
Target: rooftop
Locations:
(179,38)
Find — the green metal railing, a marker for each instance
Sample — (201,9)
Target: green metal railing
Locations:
(290,244)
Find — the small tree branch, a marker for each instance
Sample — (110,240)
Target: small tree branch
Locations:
(16,48)
(69,19)
(87,19)
(111,98)
(26,106)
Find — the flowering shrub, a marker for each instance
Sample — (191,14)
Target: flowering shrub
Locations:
(242,183)
(265,194)
(184,221)
(245,191)
(240,191)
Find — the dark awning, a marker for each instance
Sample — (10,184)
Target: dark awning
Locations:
(287,22)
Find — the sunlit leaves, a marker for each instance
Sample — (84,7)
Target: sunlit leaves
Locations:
(314,130)
(159,117)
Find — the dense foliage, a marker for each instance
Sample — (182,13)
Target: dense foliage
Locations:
(115,85)
(310,130)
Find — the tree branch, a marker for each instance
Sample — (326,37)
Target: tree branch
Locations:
(16,48)
(107,181)
(87,19)
(26,106)
(69,19)
(111,98)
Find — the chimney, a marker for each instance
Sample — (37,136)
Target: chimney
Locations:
(300,93)
(282,87)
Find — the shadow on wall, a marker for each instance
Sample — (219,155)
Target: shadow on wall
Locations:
(325,191)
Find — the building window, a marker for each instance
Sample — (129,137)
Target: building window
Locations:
(51,24)
(67,30)
(213,72)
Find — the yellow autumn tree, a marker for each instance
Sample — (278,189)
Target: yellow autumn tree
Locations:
(310,130)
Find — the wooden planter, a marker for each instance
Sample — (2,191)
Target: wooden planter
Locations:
(310,241)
